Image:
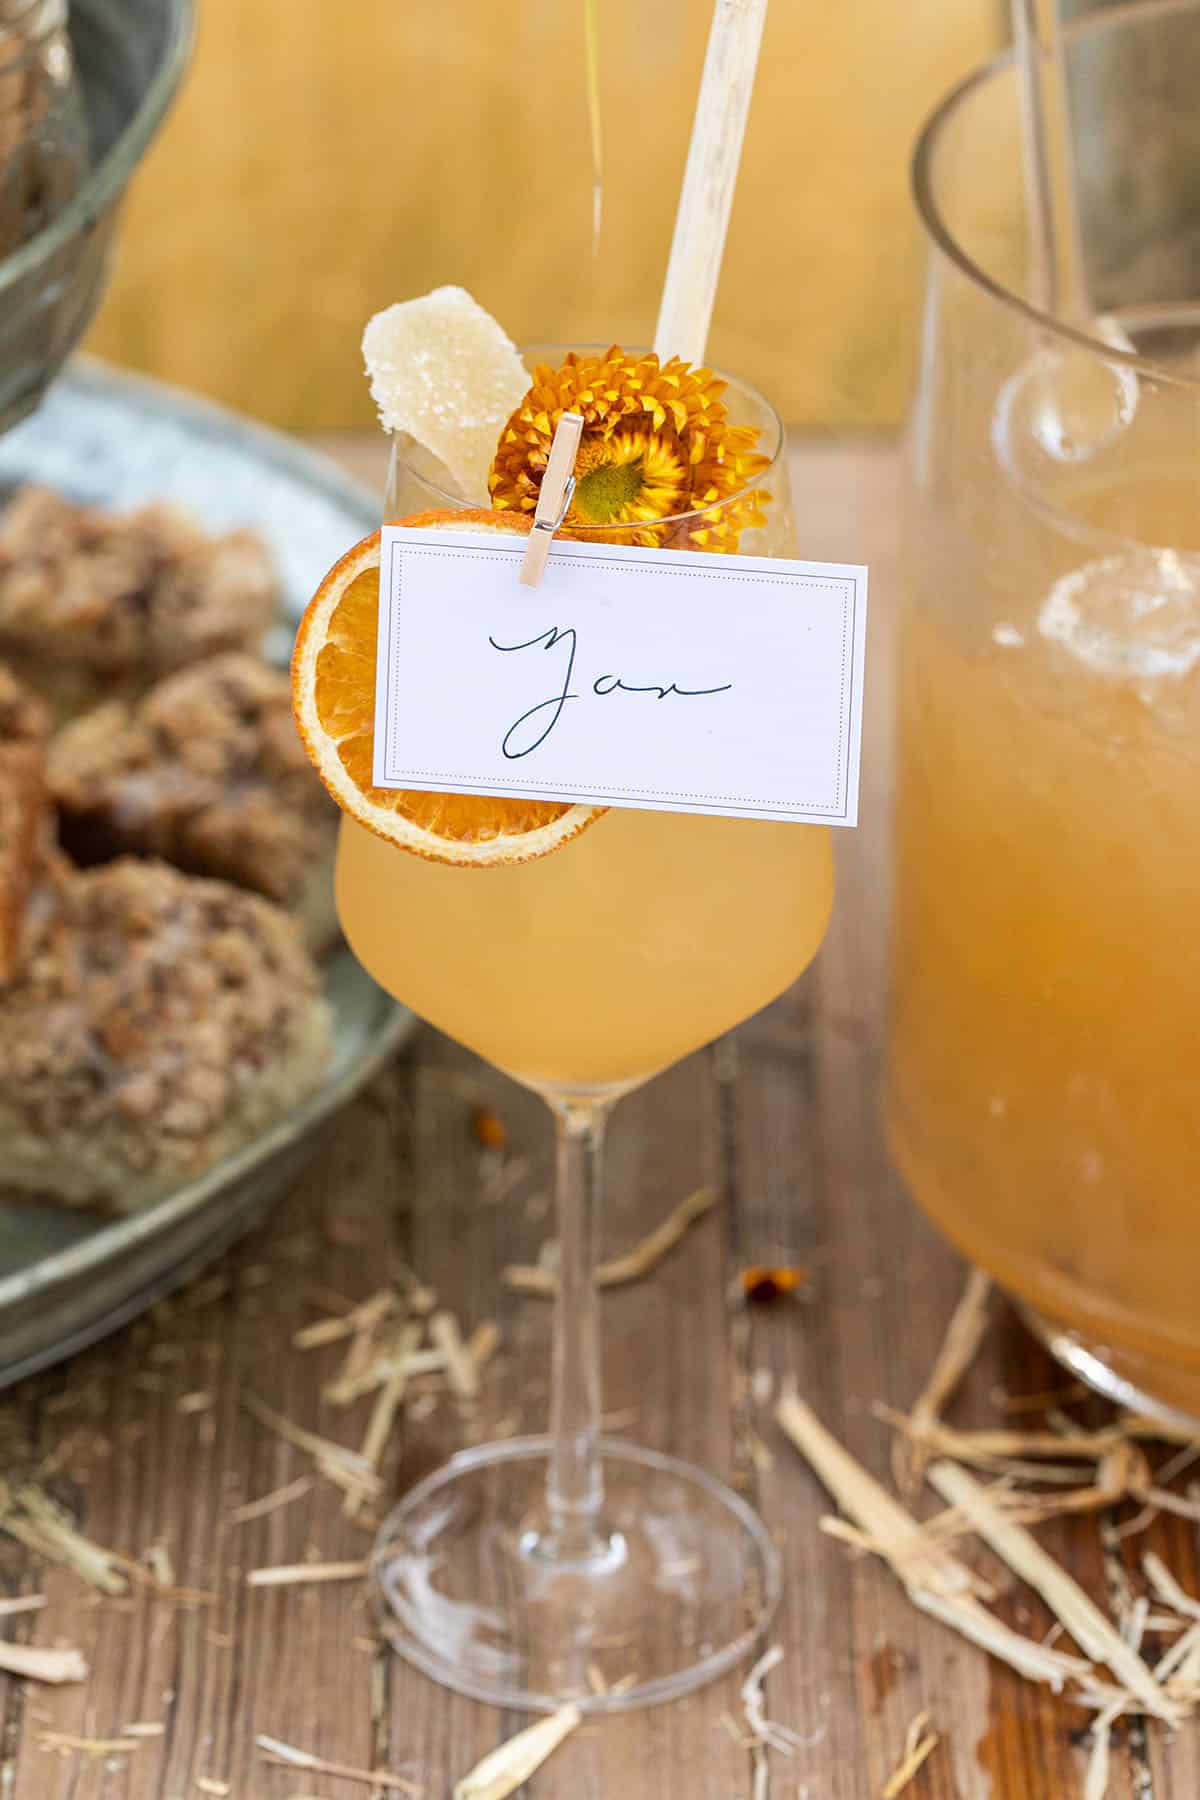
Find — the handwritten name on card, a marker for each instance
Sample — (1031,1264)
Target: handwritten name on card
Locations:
(630,677)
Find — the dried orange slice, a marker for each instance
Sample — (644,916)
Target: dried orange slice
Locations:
(333,700)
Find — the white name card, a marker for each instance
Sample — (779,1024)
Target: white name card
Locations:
(671,680)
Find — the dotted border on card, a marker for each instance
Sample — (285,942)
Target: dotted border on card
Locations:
(847,586)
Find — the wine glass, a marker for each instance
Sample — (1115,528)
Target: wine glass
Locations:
(522,1570)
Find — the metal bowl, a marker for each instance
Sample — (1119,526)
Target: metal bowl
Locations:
(129,57)
(114,439)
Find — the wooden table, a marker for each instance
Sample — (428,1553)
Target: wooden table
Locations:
(146,1435)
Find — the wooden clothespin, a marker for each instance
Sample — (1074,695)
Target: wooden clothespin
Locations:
(554,496)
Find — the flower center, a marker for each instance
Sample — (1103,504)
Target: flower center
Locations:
(604,493)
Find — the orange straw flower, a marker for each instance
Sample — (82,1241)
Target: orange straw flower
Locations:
(657,442)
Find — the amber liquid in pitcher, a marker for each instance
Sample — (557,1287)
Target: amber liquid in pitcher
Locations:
(1044,1089)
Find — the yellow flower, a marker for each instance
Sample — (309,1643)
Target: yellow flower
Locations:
(656,443)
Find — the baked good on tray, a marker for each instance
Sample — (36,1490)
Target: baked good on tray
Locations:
(205,770)
(24,728)
(156,1023)
(94,604)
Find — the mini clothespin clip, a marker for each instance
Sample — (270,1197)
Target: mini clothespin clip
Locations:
(554,496)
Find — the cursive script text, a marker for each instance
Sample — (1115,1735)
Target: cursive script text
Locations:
(534,726)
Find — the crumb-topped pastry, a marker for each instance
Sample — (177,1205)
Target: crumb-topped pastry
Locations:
(23,807)
(157,1023)
(208,772)
(94,603)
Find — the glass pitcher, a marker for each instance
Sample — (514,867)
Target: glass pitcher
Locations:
(1043,1087)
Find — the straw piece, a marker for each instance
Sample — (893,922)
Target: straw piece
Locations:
(1175,1465)
(297,1574)
(504,1770)
(67,1740)
(850,1535)
(1183,1671)
(917,1727)
(383,1413)
(1093,1633)
(34,1664)
(385,1367)
(919,1747)
(1171,1660)
(22,1603)
(1172,1503)
(980,1627)
(1132,1624)
(1156,1431)
(935,1581)
(1122,1473)
(42,1526)
(1039,1401)
(388,1400)
(1095,1785)
(269,1503)
(345,1468)
(631,1265)
(960,1346)
(987,1447)
(1167,1588)
(754,1708)
(460,1365)
(302,1759)
(650,1251)
(872,1508)
(357,1362)
(483,1343)
(363,1317)
(714,153)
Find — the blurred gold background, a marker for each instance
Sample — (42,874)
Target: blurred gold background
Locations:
(324,161)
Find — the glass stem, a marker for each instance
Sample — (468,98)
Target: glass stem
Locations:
(574,1486)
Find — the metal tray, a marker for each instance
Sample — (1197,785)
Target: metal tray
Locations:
(67,1278)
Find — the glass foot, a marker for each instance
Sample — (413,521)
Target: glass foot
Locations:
(677,1587)
(1153,1389)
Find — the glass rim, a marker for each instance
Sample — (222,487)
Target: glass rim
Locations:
(1113,18)
(547,353)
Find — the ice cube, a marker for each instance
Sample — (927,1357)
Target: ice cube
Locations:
(1067,401)
(444,371)
(1080,404)
(1134,615)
